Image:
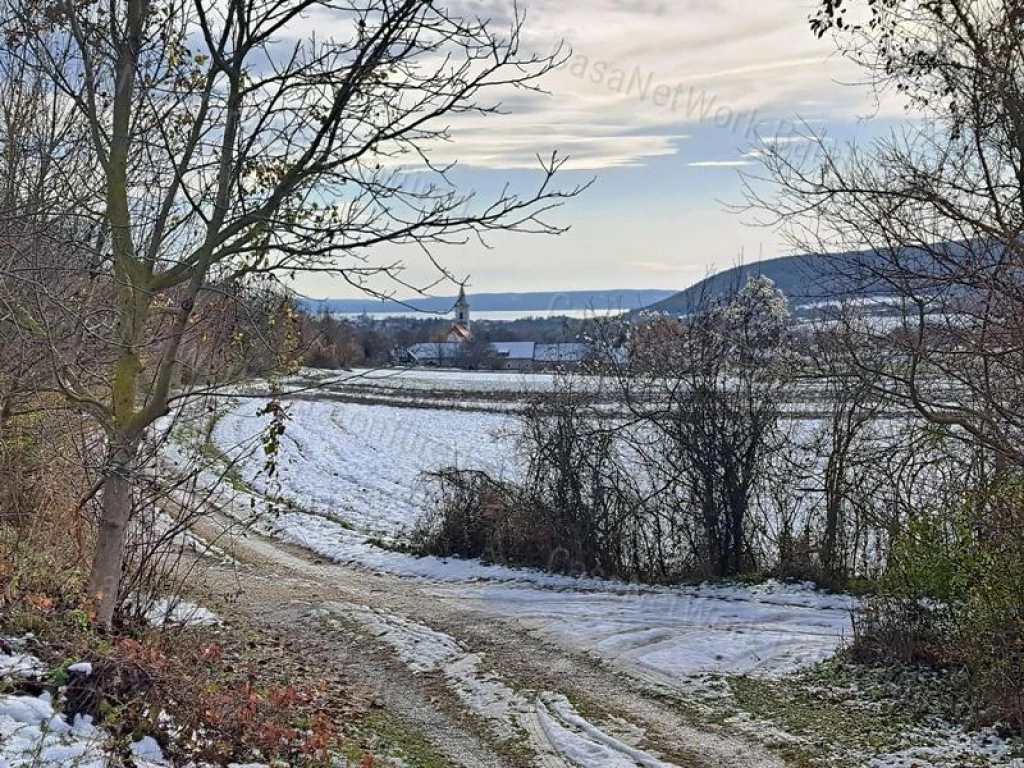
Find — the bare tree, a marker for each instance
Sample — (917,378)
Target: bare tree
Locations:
(226,143)
(39,259)
(850,405)
(709,389)
(932,214)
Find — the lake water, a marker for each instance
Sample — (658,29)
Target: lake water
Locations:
(576,314)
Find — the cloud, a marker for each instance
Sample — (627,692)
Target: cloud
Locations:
(645,73)
(640,70)
(514,142)
(793,139)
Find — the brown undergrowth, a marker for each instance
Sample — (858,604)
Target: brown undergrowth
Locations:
(212,694)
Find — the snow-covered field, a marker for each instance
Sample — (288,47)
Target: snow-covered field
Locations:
(349,476)
(418,379)
(363,464)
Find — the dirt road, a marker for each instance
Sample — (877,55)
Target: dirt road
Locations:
(483,690)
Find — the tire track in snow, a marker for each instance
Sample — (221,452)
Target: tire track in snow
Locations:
(556,733)
(582,742)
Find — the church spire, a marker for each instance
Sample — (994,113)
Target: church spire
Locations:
(462,308)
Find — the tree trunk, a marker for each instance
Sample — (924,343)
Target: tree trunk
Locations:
(834,475)
(107,566)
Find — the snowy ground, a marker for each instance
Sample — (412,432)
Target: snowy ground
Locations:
(677,635)
(34,735)
(356,471)
(547,721)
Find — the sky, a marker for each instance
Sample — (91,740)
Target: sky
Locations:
(662,104)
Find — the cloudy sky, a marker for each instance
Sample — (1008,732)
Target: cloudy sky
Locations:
(662,103)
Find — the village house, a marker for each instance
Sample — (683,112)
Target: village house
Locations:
(458,350)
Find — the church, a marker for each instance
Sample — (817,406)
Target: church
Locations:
(460,332)
(458,350)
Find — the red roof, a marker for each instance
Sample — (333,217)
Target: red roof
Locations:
(461,332)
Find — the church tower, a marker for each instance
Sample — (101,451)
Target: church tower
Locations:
(462,309)
(460,332)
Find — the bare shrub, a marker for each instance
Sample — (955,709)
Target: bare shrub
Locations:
(583,477)
(709,399)
(899,631)
(231,708)
(475,515)
(650,472)
(577,508)
(45,539)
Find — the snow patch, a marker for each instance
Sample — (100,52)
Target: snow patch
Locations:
(168,611)
(584,744)
(148,750)
(33,735)
(422,649)
(948,747)
(20,666)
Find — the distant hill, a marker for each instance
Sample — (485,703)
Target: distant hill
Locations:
(805,279)
(542,302)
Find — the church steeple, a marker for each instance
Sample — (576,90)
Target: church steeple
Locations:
(462,308)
